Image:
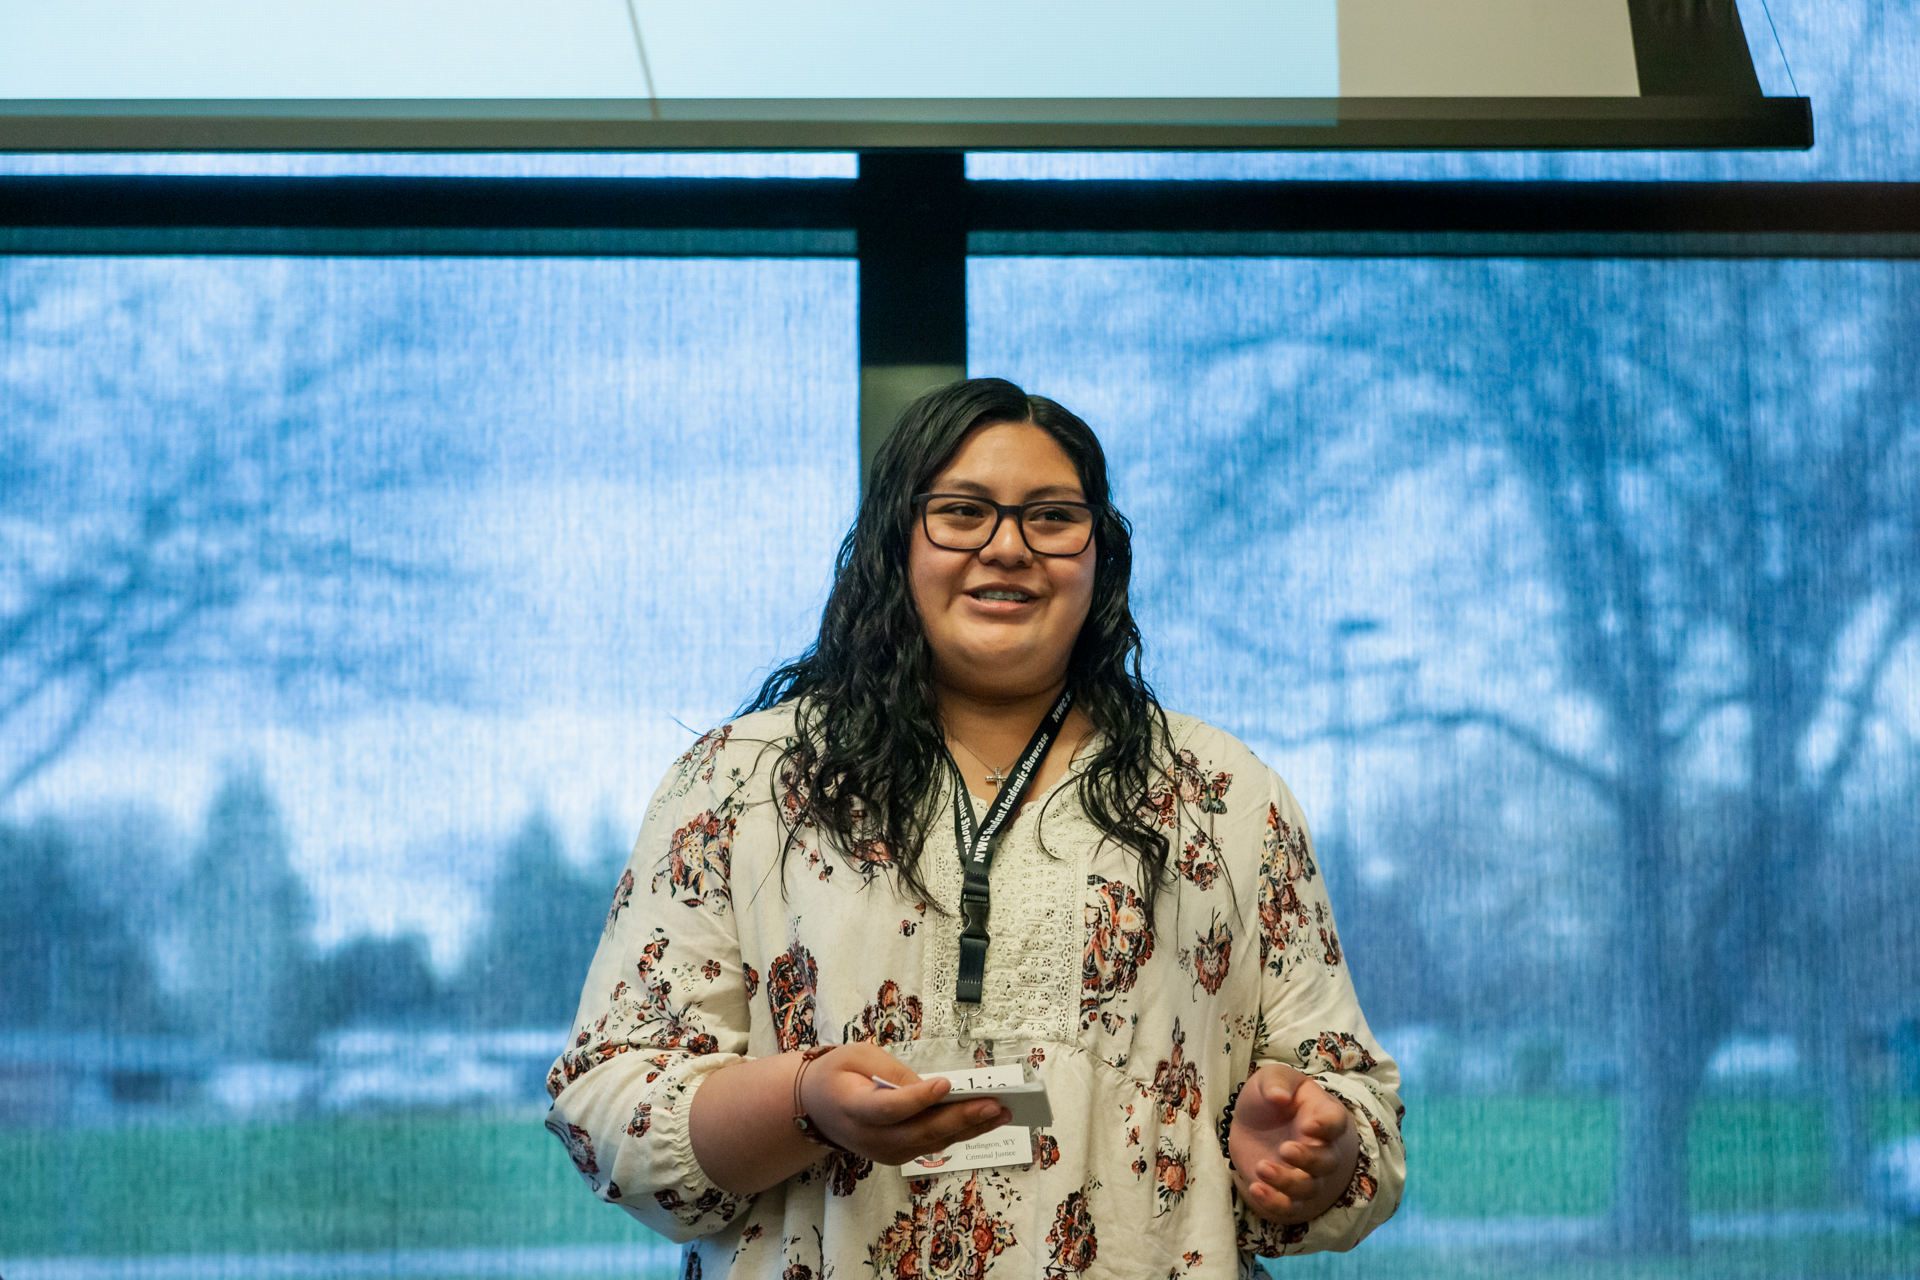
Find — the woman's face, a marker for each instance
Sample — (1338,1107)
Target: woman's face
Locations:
(1002,620)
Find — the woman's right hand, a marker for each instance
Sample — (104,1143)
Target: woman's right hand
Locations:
(889,1126)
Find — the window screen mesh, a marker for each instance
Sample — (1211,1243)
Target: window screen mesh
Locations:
(1577,601)
(353,608)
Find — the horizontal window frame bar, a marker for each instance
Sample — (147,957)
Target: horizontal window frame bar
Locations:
(1459,207)
(1659,122)
(145,200)
(1436,244)
(782,217)
(438,242)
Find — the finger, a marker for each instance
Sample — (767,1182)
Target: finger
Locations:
(1313,1157)
(937,1128)
(1291,1077)
(859,1067)
(881,1107)
(973,1118)
(893,1071)
(958,1122)
(1322,1126)
(1270,1201)
(981,1128)
(1312,1165)
(1295,1183)
(1267,1200)
(1324,1117)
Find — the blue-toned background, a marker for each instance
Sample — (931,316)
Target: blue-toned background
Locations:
(1578,602)
(355,607)
(350,609)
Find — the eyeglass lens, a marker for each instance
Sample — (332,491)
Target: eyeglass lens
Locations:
(960,523)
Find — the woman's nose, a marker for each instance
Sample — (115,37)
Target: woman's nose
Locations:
(1007,545)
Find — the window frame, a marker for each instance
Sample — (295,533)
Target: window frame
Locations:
(911,219)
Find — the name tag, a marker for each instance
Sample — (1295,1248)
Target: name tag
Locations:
(1009,1144)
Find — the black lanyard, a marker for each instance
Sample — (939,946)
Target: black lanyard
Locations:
(976,847)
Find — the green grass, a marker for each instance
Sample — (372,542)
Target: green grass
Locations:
(1551,1156)
(342,1184)
(464,1182)
(1827,1257)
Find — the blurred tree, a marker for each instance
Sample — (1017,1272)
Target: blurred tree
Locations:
(1674,553)
(1879,898)
(1397,971)
(1499,911)
(610,849)
(172,504)
(1730,513)
(68,959)
(252,984)
(1819,578)
(378,980)
(544,922)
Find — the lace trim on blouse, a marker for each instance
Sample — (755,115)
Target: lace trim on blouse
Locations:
(1032,983)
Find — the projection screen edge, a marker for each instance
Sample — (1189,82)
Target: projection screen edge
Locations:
(1683,123)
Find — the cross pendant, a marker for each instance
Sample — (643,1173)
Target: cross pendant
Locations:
(995,777)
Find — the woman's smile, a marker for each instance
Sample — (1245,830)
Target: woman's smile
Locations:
(1000,600)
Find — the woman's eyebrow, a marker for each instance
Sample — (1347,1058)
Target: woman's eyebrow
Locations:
(1064,491)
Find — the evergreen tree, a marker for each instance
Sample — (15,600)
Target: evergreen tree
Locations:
(247,917)
(68,958)
(543,926)
(379,980)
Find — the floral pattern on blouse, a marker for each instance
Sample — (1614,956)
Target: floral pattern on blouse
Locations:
(951,1232)
(792,977)
(695,868)
(892,1018)
(735,932)
(1118,943)
(1074,1242)
(1212,953)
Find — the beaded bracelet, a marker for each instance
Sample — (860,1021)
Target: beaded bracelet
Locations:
(809,1129)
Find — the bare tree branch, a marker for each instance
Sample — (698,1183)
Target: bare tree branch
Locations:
(1860,703)
(103,676)
(1601,781)
(1707,709)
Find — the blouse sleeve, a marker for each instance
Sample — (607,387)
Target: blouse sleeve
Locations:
(665,1005)
(1311,1019)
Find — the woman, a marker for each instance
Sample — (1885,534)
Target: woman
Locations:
(1156,937)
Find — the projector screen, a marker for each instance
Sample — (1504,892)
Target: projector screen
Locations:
(1026,73)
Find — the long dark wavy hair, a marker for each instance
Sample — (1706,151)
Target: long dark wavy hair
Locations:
(868,754)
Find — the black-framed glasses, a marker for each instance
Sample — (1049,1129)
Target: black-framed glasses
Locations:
(967,522)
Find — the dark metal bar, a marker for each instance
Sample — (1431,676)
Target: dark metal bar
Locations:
(452,242)
(910,211)
(902,200)
(917,209)
(1684,117)
(786,204)
(1443,244)
(1004,215)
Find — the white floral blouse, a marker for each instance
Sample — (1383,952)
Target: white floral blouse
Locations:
(1142,1037)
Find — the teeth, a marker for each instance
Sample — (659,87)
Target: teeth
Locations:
(1017,596)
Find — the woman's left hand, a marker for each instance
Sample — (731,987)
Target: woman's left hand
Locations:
(1294,1146)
